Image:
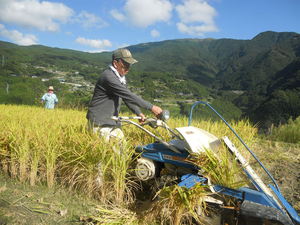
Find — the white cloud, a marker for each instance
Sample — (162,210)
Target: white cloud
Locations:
(99,44)
(117,15)
(195,30)
(124,45)
(17,37)
(89,20)
(143,13)
(197,17)
(42,15)
(155,33)
(96,51)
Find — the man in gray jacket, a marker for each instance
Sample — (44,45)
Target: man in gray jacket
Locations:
(110,89)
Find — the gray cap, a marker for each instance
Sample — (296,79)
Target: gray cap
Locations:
(124,54)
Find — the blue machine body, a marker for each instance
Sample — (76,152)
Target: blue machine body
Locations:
(160,153)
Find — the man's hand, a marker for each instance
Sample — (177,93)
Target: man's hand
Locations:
(143,118)
(156,110)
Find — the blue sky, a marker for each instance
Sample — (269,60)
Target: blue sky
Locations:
(105,25)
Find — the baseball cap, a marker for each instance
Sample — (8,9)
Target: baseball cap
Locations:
(51,88)
(124,54)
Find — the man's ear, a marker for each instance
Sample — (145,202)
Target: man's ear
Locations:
(114,63)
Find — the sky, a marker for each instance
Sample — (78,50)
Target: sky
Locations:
(105,25)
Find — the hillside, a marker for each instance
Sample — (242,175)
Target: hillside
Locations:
(251,74)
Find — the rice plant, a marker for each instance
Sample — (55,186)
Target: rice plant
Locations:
(221,169)
(179,205)
(53,147)
(114,215)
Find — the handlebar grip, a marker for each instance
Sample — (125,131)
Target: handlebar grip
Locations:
(132,117)
(126,118)
(114,118)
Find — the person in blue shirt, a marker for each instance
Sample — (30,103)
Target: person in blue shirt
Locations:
(50,98)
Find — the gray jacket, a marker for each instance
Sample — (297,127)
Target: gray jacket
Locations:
(107,97)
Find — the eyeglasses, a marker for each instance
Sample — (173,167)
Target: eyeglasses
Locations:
(125,64)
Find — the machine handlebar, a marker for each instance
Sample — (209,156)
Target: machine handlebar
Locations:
(120,118)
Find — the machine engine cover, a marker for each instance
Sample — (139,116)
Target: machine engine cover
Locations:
(198,139)
(145,169)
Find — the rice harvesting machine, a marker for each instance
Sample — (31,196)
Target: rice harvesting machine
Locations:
(261,203)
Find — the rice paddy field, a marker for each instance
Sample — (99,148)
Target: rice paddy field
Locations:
(60,173)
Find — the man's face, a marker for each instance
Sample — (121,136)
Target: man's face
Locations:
(121,66)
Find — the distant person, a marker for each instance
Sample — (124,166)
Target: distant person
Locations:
(110,89)
(50,98)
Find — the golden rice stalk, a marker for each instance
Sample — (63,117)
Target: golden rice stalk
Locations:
(114,215)
(177,205)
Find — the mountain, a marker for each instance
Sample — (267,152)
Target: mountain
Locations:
(248,73)
(235,64)
(43,55)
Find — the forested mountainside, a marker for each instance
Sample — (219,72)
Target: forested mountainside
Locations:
(257,78)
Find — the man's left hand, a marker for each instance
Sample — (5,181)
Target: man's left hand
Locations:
(143,118)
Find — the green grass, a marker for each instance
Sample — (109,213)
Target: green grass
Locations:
(289,132)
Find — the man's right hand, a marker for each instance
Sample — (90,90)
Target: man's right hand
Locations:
(156,110)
